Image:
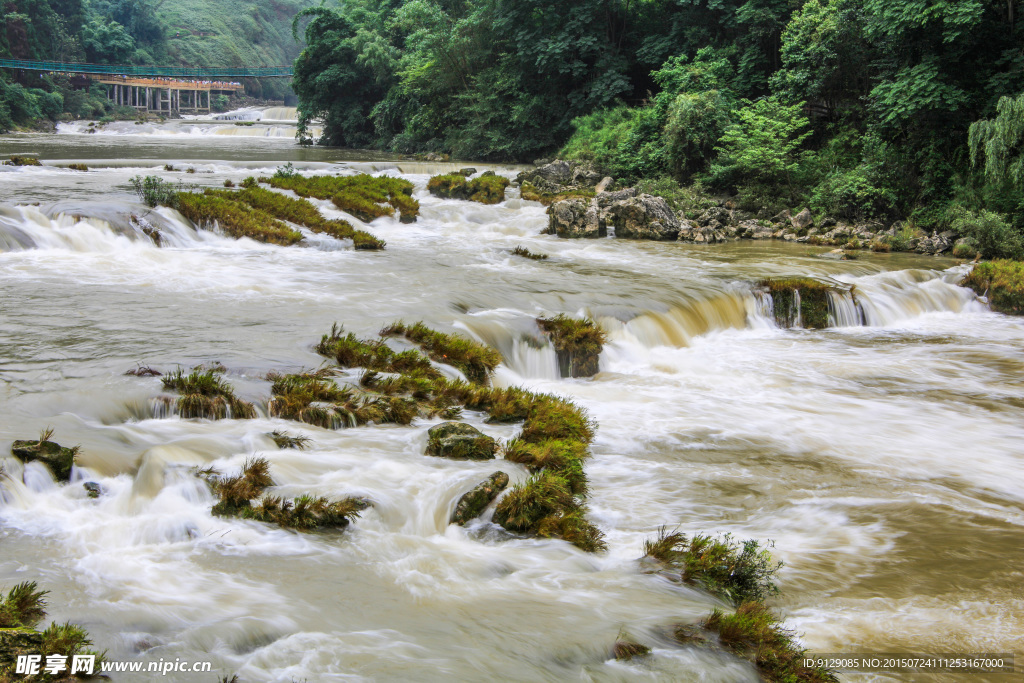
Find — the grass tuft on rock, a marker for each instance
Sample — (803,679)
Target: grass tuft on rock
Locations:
(626,648)
(1002,282)
(58,459)
(754,633)
(526,253)
(235,218)
(477,361)
(78,167)
(811,295)
(286,440)
(24,606)
(205,394)
(16,160)
(546,506)
(530,193)
(578,344)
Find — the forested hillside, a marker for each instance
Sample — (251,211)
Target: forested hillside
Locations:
(858,108)
(185,32)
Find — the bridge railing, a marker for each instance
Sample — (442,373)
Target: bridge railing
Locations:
(143,70)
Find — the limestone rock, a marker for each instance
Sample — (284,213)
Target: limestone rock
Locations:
(57,458)
(18,641)
(575,218)
(603,186)
(467,171)
(606,199)
(460,441)
(802,220)
(696,234)
(473,503)
(644,217)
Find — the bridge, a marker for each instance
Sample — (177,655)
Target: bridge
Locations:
(157,88)
(186,72)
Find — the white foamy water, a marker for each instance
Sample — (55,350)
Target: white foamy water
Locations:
(882,455)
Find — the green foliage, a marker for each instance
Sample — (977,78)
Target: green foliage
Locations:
(990,234)
(234,218)
(205,394)
(578,344)
(761,145)
(364,196)
(487,189)
(155,191)
(475,360)
(23,606)
(999,142)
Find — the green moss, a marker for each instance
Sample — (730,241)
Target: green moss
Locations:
(235,218)
(754,633)
(23,606)
(351,352)
(58,459)
(1002,282)
(204,394)
(813,297)
(475,360)
(459,441)
(532,194)
(578,344)
(526,253)
(78,167)
(734,571)
(472,504)
(487,189)
(546,506)
(16,160)
(364,196)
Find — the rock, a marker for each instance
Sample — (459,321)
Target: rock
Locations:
(93,489)
(606,199)
(603,186)
(828,222)
(762,232)
(585,176)
(644,217)
(746,229)
(487,174)
(692,233)
(467,171)
(802,220)
(460,441)
(541,162)
(57,458)
(18,641)
(834,255)
(548,176)
(472,504)
(782,217)
(715,216)
(576,218)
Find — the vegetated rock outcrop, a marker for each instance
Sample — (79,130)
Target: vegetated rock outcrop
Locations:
(473,503)
(1002,282)
(58,459)
(577,343)
(582,205)
(802,301)
(489,188)
(460,441)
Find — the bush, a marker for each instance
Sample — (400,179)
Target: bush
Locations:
(154,191)
(852,195)
(1002,282)
(993,236)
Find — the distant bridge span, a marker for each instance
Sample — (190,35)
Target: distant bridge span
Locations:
(187,72)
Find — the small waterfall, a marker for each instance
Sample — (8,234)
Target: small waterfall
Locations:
(525,349)
(683,322)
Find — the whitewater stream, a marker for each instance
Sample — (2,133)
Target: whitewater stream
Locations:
(885,460)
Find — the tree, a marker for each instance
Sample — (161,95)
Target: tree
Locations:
(761,144)
(999,143)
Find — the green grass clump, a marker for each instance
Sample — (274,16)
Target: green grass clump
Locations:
(754,633)
(78,167)
(813,296)
(734,571)
(526,253)
(364,196)
(1002,282)
(286,440)
(546,506)
(305,513)
(300,212)
(626,648)
(578,344)
(235,218)
(351,352)
(487,189)
(205,394)
(315,399)
(23,607)
(16,160)
(475,360)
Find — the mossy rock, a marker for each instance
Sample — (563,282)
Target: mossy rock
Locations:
(811,295)
(460,441)
(449,186)
(472,504)
(58,459)
(489,188)
(18,641)
(16,160)
(1002,282)
(577,343)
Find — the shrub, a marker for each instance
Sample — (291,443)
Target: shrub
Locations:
(1002,282)
(993,236)
(853,196)
(23,606)
(154,191)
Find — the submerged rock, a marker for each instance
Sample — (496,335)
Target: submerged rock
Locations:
(472,504)
(576,218)
(93,489)
(58,459)
(801,301)
(460,441)
(644,217)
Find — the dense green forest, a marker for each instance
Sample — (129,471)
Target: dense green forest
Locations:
(186,32)
(860,109)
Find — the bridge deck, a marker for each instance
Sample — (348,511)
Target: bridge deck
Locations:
(173,84)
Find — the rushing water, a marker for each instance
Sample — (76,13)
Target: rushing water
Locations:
(883,458)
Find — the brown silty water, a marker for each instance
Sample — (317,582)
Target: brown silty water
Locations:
(883,459)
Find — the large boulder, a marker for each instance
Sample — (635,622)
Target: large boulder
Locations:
(472,504)
(549,177)
(575,218)
(460,441)
(716,217)
(697,234)
(606,199)
(58,459)
(802,220)
(645,217)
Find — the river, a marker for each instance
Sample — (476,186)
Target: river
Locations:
(884,460)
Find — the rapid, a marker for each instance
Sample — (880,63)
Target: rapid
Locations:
(882,456)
